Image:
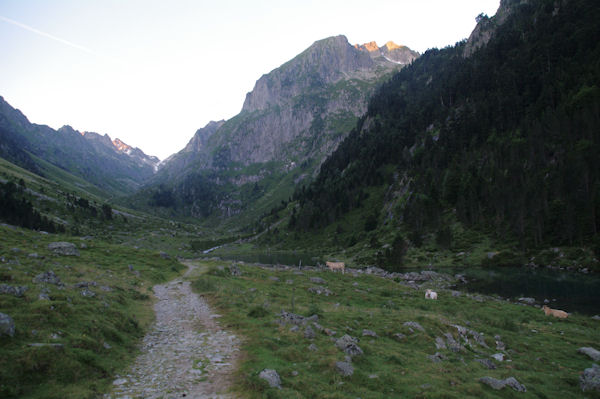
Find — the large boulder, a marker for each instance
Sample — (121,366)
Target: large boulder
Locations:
(63,248)
(271,377)
(7,325)
(349,345)
(590,379)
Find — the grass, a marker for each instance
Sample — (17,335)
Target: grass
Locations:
(541,352)
(98,334)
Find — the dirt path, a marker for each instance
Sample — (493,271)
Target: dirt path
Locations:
(185,354)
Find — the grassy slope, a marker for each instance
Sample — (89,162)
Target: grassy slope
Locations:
(541,352)
(117,316)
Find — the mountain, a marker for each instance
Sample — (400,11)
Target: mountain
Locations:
(492,143)
(112,166)
(295,116)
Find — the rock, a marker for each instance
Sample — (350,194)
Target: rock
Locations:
(235,270)
(499,344)
(63,248)
(106,345)
(273,278)
(120,381)
(436,357)
(7,325)
(399,336)
(83,246)
(596,317)
(318,327)
(85,284)
(349,345)
(294,329)
(320,290)
(11,290)
(43,344)
(344,368)
(47,277)
(498,356)
(33,255)
(591,352)
(164,255)
(590,379)
(313,348)
(291,318)
(329,332)
(415,325)
(294,373)
(439,343)
(271,377)
(369,333)
(487,363)
(453,345)
(456,293)
(526,300)
(87,293)
(317,280)
(290,282)
(500,384)
(309,333)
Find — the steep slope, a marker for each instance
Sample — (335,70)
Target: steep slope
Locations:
(110,165)
(496,138)
(293,118)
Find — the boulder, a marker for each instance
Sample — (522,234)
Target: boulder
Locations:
(591,352)
(487,363)
(7,325)
(271,377)
(439,343)
(317,280)
(344,368)
(235,270)
(313,347)
(590,379)
(369,333)
(320,290)
(12,290)
(436,357)
(309,333)
(415,325)
(349,345)
(528,301)
(63,248)
(48,277)
(500,384)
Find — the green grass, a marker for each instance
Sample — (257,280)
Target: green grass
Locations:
(541,352)
(117,315)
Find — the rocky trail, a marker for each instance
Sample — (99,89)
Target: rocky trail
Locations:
(185,354)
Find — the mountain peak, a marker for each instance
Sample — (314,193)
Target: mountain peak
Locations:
(392,46)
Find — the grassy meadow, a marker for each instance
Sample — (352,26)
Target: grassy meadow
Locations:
(540,352)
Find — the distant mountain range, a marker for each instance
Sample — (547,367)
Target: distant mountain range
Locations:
(110,165)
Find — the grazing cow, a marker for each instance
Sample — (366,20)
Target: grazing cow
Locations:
(333,266)
(561,314)
(430,294)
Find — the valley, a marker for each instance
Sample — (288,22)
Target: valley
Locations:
(468,172)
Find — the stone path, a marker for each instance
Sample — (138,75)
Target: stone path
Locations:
(185,354)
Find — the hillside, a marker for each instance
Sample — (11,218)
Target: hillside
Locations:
(295,116)
(110,165)
(491,144)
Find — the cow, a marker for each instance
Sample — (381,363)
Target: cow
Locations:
(429,294)
(561,314)
(333,266)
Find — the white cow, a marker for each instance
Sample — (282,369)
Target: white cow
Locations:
(429,294)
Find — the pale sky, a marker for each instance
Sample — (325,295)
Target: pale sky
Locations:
(152,72)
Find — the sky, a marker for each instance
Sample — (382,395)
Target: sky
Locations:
(152,72)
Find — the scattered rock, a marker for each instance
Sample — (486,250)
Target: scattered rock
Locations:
(526,300)
(369,333)
(318,327)
(7,325)
(487,363)
(85,284)
(320,290)
(456,293)
(344,368)
(500,384)
(271,377)
(296,319)
(499,344)
(235,270)
(164,255)
(349,345)
(590,379)
(273,278)
(453,345)
(498,356)
(63,248)
(439,343)
(47,277)
(120,381)
(294,373)
(317,280)
(313,348)
(436,357)
(329,332)
(591,352)
(86,292)
(596,317)
(399,336)
(12,290)
(415,325)
(294,329)
(309,333)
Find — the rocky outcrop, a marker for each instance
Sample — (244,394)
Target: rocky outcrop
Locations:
(197,143)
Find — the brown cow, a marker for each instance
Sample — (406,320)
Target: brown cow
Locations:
(561,314)
(333,266)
